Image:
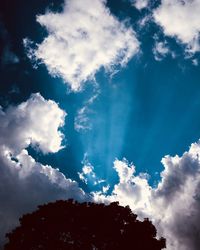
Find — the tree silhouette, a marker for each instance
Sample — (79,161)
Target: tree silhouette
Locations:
(71,225)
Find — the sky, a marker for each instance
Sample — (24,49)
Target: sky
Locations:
(99,101)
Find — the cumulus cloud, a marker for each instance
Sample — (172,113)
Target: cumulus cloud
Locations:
(173,206)
(34,122)
(180,19)
(140,4)
(25,183)
(131,190)
(81,39)
(178,195)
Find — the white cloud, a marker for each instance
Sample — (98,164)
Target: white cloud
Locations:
(195,62)
(82,122)
(87,169)
(173,206)
(88,175)
(25,183)
(34,122)
(105,189)
(81,40)
(125,171)
(131,190)
(180,19)
(144,21)
(177,197)
(140,4)
(161,50)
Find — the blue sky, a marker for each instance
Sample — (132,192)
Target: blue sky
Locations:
(126,74)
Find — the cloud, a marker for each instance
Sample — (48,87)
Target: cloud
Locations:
(88,175)
(131,190)
(82,39)
(161,49)
(140,4)
(87,172)
(34,122)
(144,21)
(173,206)
(180,19)
(82,121)
(178,196)
(195,62)
(25,183)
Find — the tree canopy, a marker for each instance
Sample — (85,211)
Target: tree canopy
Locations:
(71,225)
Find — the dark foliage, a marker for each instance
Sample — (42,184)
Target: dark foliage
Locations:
(72,225)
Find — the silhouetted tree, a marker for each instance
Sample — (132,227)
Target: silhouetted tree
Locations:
(72,225)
